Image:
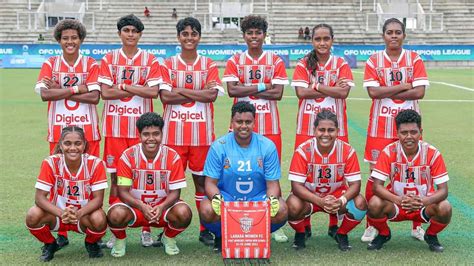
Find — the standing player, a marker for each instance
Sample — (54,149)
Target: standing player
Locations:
(75,182)
(130,79)
(259,77)
(69,83)
(413,168)
(150,178)
(188,108)
(241,166)
(319,171)
(322,81)
(395,79)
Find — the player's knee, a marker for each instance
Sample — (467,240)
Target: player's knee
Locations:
(33,216)
(360,202)
(116,216)
(206,212)
(182,216)
(294,206)
(98,220)
(445,209)
(375,205)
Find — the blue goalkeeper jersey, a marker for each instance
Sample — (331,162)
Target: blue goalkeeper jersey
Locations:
(243,172)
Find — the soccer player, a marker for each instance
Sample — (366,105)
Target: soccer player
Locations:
(188,109)
(395,79)
(259,77)
(130,79)
(68,82)
(319,171)
(241,166)
(414,168)
(69,195)
(150,178)
(322,81)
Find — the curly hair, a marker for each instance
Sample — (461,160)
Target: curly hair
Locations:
(408,116)
(149,119)
(311,57)
(130,20)
(189,21)
(243,107)
(326,114)
(253,22)
(68,130)
(69,24)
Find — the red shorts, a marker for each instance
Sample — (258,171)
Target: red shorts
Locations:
(139,219)
(373,148)
(195,156)
(316,208)
(403,215)
(62,227)
(113,149)
(276,138)
(302,138)
(93,149)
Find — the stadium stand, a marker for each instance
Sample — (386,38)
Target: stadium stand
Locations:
(353,22)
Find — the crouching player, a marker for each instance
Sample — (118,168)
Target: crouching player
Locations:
(319,171)
(241,166)
(75,182)
(413,168)
(150,178)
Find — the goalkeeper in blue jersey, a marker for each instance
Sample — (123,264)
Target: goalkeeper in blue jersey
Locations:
(242,166)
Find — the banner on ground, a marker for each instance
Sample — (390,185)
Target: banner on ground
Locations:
(18,55)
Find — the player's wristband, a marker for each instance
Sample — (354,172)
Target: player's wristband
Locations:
(261,87)
(343,200)
(75,89)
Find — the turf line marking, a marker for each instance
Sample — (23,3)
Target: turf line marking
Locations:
(427,100)
(452,85)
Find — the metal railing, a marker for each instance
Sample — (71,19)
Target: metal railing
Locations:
(36,20)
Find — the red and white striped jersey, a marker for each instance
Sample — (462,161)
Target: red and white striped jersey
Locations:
(324,174)
(328,74)
(416,176)
(269,69)
(380,71)
(119,116)
(63,113)
(67,189)
(190,124)
(152,179)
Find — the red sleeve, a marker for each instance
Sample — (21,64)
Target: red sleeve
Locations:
(45,72)
(298,166)
(370,74)
(93,75)
(352,168)
(99,178)
(155,76)
(419,72)
(345,71)
(124,168)
(213,72)
(382,167)
(46,178)
(438,170)
(301,76)
(165,75)
(105,73)
(177,178)
(231,73)
(279,75)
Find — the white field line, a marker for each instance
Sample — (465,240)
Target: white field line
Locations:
(427,100)
(435,82)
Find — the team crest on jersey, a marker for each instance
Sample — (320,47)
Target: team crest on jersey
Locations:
(310,170)
(110,159)
(222,141)
(173,76)
(239,72)
(59,182)
(410,73)
(144,72)
(375,154)
(260,162)
(379,72)
(203,76)
(333,77)
(88,189)
(395,65)
(246,224)
(396,170)
(340,170)
(268,73)
(226,163)
(424,173)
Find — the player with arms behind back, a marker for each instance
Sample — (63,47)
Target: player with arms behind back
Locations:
(414,168)
(188,107)
(69,83)
(322,81)
(395,80)
(69,195)
(130,78)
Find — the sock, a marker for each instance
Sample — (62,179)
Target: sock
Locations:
(198,197)
(92,237)
(415,225)
(298,226)
(380,224)
(368,196)
(62,233)
(119,233)
(172,232)
(435,227)
(347,225)
(43,234)
(333,220)
(146,228)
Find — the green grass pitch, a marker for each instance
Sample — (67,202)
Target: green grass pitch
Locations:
(448,121)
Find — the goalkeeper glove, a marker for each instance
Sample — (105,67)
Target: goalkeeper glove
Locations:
(274,206)
(216,203)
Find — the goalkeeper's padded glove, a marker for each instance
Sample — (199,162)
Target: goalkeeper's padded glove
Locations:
(274,206)
(216,203)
